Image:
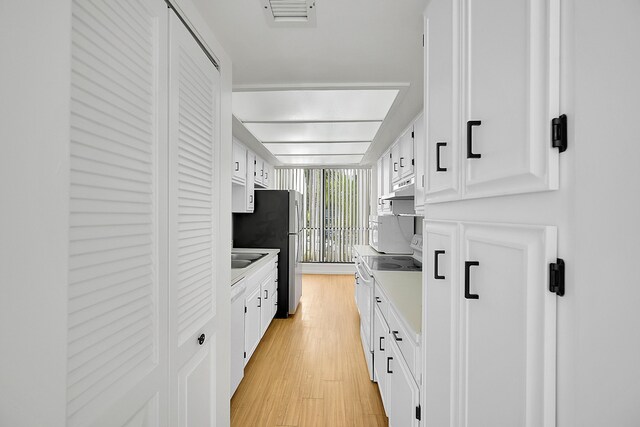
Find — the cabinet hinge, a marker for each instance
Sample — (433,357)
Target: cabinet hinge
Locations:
(559,133)
(556,277)
(418,413)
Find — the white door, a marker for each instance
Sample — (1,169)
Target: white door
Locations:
(440,300)
(266,288)
(507,326)
(406,160)
(380,333)
(239,162)
(252,322)
(440,56)
(403,394)
(510,94)
(193,147)
(420,160)
(117,299)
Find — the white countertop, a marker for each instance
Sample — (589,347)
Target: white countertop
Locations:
(403,288)
(238,273)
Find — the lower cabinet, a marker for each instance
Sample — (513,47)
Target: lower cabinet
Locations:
(252,329)
(380,334)
(490,323)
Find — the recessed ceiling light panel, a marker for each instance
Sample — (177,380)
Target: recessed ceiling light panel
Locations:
(317,148)
(314,132)
(321,160)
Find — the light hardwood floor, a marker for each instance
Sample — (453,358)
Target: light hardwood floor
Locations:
(309,370)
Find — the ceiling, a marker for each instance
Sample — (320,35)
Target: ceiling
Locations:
(353,44)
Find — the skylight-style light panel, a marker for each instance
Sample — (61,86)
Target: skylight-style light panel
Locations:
(309,148)
(313,105)
(321,160)
(314,132)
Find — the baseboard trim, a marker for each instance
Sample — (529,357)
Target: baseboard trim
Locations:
(327,268)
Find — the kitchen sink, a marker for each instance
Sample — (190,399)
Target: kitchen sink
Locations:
(242,260)
(247,256)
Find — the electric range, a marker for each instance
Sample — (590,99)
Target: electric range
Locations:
(392,263)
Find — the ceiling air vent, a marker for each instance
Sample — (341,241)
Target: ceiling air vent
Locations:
(290,12)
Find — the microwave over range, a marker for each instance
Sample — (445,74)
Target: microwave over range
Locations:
(391,234)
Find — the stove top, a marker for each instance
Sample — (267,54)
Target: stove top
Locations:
(392,263)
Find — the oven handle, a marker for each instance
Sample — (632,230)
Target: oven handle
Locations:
(363,274)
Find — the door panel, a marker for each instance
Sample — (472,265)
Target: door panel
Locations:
(508,333)
(403,391)
(252,322)
(510,86)
(193,148)
(441,90)
(380,336)
(440,302)
(117,316)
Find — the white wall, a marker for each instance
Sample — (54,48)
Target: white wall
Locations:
(35,45)
(597,211)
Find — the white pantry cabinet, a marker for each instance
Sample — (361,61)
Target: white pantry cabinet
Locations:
(491,324)
(193,147)
(491,90)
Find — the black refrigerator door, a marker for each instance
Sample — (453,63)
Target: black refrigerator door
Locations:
(268,227)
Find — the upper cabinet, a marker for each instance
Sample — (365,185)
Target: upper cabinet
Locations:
(384,183)
(239,163)
(249,171)
(406,160)
(491,91)
(419,164)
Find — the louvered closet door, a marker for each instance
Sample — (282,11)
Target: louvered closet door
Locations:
(193,147)
(117,359)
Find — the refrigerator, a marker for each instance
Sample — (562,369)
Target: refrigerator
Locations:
(276,223)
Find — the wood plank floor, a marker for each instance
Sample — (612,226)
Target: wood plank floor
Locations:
(309,370)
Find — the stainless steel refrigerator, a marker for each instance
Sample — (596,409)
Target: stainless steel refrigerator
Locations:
(276,222)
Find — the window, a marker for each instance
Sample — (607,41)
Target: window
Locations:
(336,210)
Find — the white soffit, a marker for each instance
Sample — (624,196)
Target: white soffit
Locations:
(313,105)
(314,132)
(317,148)
(321,160)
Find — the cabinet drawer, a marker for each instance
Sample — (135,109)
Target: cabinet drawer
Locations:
(406,343)
(381,301)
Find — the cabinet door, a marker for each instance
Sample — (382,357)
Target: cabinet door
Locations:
(395,162)
(403,396)
(117,278)
(380,334)
(507,326)
(267,303)
(440,300)
(259,171)
(193,148)
(250,189)
(406,160)
(239,162)
(510,74)
(419,167)
(252,323)
(441,71)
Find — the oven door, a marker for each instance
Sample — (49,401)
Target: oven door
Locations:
(364,299)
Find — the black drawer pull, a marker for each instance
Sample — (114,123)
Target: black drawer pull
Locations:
(380,344)
(439,168)
(201,339)
(470,153)
(436,273)
(378,300)
(389,371)
(237,166)
(259,302)
(266,294)
(395,336)
(467,267)
(395,166)
(401,159)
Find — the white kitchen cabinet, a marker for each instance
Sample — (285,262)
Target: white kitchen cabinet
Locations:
(250,187)
(491,328)
(242,192)
(238,300)
(441,28)
(440,307)
(266,309)
(419,147)
(403,394)
(239,163)
(193,144)
(491,91)
(384,183)
(395,162)
(259,171)
(252,322)
(406,160)
(380,336)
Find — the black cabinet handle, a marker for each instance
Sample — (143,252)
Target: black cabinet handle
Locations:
(389,371)
(470,153)
(380,344)
(266,294)
(467,267)
(401,159)
(237,166)
(250,199)
(436,274)
(395,336)
(201,339)
(439,145)
(378,300)
(395,166)
(266,175)
(259,302)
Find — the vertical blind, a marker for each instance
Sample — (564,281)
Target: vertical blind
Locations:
(336,210)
